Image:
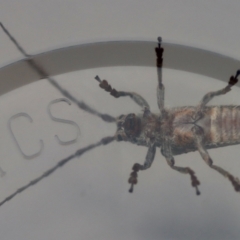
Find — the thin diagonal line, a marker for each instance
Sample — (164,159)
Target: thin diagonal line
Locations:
(44,74)
(14,41)
(61,163)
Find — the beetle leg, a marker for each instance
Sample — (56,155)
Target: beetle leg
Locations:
(209,96)
(160,88)
(147,164)
(166,152)
(199,137)
(134,96)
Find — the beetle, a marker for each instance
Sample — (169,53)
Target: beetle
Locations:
(179,130)
(175,131)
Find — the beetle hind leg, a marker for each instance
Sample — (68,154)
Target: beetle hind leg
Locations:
(209,96)
(166,152)
(199,137)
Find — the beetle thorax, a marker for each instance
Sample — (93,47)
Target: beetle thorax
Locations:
(142,129)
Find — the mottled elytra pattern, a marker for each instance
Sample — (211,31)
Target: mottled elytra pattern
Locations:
(174,131)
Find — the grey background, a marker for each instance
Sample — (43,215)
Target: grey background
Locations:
(88,198)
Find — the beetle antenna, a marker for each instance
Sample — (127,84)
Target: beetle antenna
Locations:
(44,74)
(78,153)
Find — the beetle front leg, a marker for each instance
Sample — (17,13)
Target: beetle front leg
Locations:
(199,140)
(134,96)
(136,167)
(167,153)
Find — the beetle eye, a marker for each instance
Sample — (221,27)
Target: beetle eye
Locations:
(119,137)
(129,123)
(132,125)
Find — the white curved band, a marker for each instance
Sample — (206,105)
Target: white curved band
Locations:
(118,53)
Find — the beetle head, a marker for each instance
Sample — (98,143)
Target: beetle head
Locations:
(128,127)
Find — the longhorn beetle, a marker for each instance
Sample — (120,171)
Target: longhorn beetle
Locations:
(175,131)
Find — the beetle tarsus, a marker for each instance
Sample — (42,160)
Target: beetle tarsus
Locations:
(98,79)
(237,73)
(131,189)
(197,191)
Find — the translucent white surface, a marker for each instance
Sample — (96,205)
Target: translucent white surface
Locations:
(88,198)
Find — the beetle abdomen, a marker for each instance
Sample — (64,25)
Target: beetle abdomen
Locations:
(224,125)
